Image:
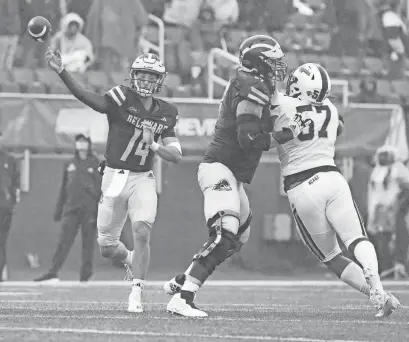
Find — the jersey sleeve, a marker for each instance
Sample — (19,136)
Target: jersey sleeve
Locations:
(170,131)
(115,97)
(253,89)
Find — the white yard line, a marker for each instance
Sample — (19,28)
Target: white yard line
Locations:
(214,306)
(164,334)
(146,316)
(16,294)
(210,283)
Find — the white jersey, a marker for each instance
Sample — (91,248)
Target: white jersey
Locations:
(314,146)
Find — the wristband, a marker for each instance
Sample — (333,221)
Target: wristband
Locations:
(60,70)
(154,146)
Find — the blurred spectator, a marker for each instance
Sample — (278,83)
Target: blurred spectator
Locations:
(77,206)
(155,7)
(215,17)
(10,27)
(183,34)
(396,35)
(76,49)
(81,7)
(30,53)
(9,18)
(9,197)
(388,178)
(114,28)
(375,44)
(349,22)
(219,12)
(276,14)
(369,93)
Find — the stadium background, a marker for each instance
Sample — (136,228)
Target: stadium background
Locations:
(38,121)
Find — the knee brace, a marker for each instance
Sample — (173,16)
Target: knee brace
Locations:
(221,244)
(242,235)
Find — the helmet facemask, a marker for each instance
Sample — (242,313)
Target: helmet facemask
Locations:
(276,69)
(292,90)
(146,83)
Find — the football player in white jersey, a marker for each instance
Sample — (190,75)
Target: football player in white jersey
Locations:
(305,132)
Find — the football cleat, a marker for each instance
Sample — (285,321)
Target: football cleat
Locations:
(48,278)
(377,298)
(391,303)
(182,304)
(174,285)
(135,300)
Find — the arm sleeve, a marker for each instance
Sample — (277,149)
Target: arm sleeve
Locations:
(93,100)
(249,133)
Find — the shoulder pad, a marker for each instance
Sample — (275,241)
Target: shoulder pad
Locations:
(170,107)
(252,88)
(118,94)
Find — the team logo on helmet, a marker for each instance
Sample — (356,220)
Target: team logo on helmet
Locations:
(147,74)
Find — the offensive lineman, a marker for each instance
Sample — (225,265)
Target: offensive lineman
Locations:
(231,160)
(136,121)
(305,131)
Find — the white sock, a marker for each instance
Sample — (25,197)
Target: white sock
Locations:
(190,286)
(139,283)
(365,253)
(354,277)
(128,259)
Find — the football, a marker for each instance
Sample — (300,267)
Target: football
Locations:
(39,28)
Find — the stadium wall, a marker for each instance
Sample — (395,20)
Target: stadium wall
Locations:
(180,227)
(41,123)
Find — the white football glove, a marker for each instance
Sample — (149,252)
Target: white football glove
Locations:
(296,124)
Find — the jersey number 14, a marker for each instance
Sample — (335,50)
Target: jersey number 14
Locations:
(322,133)
(141,149)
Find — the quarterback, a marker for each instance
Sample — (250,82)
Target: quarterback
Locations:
(231,160)
(136,121)
(305,131)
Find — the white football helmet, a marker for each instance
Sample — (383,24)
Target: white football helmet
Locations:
(148,63)
(309,82)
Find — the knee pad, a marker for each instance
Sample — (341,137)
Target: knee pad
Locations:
(221,244)
(338,264)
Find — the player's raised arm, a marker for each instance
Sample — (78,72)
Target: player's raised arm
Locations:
(93,100)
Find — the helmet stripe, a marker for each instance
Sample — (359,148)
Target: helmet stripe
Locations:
(324,78)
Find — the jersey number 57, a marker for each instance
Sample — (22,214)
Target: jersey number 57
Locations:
(322,133)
